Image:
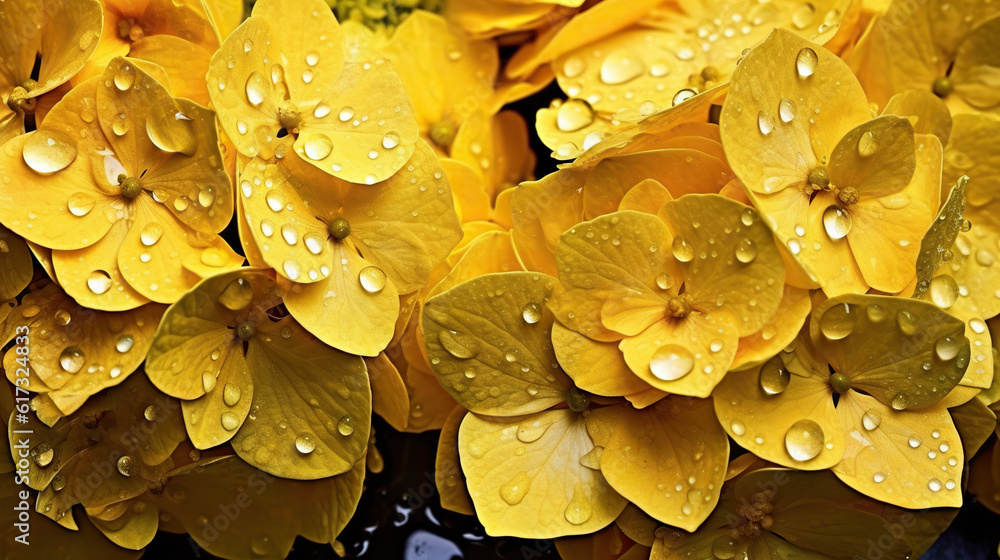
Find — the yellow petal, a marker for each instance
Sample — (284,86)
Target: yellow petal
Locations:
(16,268)
(907,460)
(389,396)
(885,230)
(766,410)
(779,331)
(528,476)
(493,354)
(941,236)
(975,423)
(232,400)
(85,351)
(91,275)
(675,444)
(876,157)
(327,505)
(852,333)
(773,145)
(471,199)
(448,475)
(976,67)
(541,211)
(926,111)
(596,367)
(647,196)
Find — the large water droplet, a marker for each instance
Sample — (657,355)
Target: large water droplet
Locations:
(126,465)
(372,279)
(579,509)
(150,234)
(838,321)
(774,378)
(670,362)
(231,394)
(345,426)
(786,110)
(836,222)
(907,322)
(99,282)
(72,359)
(804,440)
(867,144)
(230,421)
(257,88)
(948,347)
(42,454)
(682,250)
(531,313)
(871,420)
(237,295)
(944,291)
(724,548)
(460,345)
(765,122)
(574,115)
(746,250)
(304,445)
(806,62)
(48,151)
(317,146)
(390,140)
(516,488)
(620,67)
(124,343)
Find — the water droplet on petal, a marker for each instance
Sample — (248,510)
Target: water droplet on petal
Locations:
(738,427)
(150,234)
(620,67)
(515,489)
(317,146)
(390,140)
(345,426)
(579,510)
(42,454)
(257,88)
(237,295)
(126,465)
(836,222)
(372,279)
(531,313)
(231,394)
(125,343)
(230,421)
(774,378)
(670,362)
(804,440)
(867,144)
(765,122)
(944,291)
(947,348)
(304,445)
(786,110)
(72,359)
(48,151)
(871,420)
(682,250)
(746,250)
(839,321)
(573,115)
(806,62)
(460,345)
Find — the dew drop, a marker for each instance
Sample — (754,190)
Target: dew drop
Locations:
(765,122)
(670,362)
(579,510)
(806,62)
(42,454)
(390,140)
(304,445)
(836,222)
(48,151)
(839,321)
(257,88)
(682,250)
(231,394)
(514,491)
(71,359)
(944,291)
(867,144)
(746,250)
(237,295)
(620,67)
(151,234)
(372,279)
(230,421)
(531,313)
(774,378)
(804,440)
(345,426)
(461,346)
(574,115)
(126,465)
(786,110)
(738,427)
(124,343)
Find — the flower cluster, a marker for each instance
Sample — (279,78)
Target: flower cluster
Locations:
(750,315)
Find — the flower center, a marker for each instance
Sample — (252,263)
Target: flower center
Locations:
(757,515)
(849,195)
(943,86)
(819,179)
(840,382)
(131,187)
(21,100)
(679,306)
(129,30)
(339,228)
(246,330)
(381,15)
(577,400)
(443,134)
(289,118)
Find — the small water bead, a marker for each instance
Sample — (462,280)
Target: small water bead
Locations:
(42,454)
(574,66)
(804,440)
(670,362)
(579,510)
(786,110)
(346,426)
(304,445)
(871,420)
(214,257)
(126,465)
(746,250)
(531,313)
(48,151)
(237,295)
(621,67)
(899,402)
(934,485)
(738,427)
(150,413)
(346,114)
(71,359)
(806,62)
(372,279)
(837,222)
(58,483)
(124,343)
(275,200)
(291,269)
(290,234)
(765,122)
(747,217)
(682,250)
(977,325)
(390,140)
(774,378)
(229,421)
(875,313)
(724,548)
(99,282)
(461,346)
(574,115)
(80,204)
(867,144)
(879,477)
(63,317)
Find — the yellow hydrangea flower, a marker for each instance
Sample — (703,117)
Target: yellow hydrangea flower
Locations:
(63,42)
(850,196)
(125,185)
(303,94)
(889,435)
(938,46)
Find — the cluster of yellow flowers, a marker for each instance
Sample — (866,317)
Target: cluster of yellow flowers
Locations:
(751,315)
